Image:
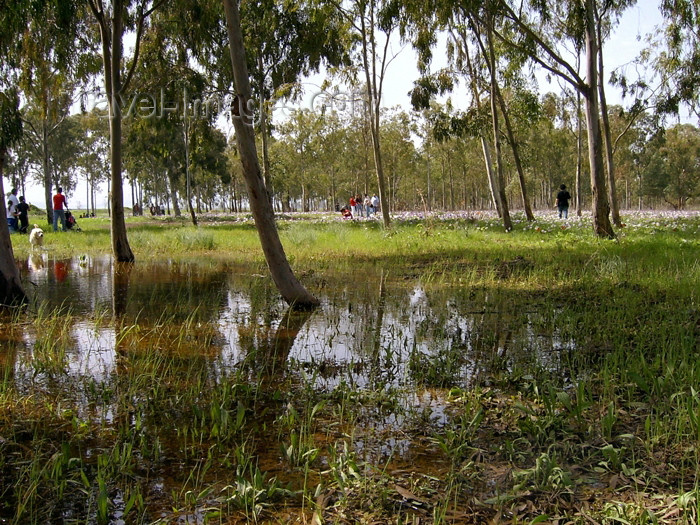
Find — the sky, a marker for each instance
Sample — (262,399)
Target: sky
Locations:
(622,47)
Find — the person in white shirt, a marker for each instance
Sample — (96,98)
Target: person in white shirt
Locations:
(13,199)
(11,216)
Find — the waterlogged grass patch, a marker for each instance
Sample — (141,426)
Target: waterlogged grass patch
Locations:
(196,239)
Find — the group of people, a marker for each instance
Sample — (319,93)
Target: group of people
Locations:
(17,213)
(18,209)
(360,206)
(157,209)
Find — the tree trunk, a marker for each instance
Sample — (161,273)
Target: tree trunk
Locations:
(47,171)
(120,244)
(601,208)
(373,101)
(173,195)
(612,192)
(452,187)
(485,147)
(579,156)
(264,127)
(285,280)
(383,196)
(11,291)
(111,59)
(516,158)
(497,96)
(193,215)
(507,224)
(491,175)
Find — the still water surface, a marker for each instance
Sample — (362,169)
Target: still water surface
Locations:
(370,332)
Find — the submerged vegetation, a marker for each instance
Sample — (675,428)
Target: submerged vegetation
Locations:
(454,374)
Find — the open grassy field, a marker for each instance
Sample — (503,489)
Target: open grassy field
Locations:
(454,373)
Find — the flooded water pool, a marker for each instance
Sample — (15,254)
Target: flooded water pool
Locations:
(131,349)
(368,332)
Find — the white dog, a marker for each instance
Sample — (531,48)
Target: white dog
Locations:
(36,237)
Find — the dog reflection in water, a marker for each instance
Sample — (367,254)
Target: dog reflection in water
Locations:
(36,263)
(36,237)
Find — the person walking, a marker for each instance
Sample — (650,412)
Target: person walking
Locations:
(375,203)
(562,202)
(23,215)
(59,207)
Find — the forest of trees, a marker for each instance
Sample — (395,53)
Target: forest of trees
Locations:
(319,159)
(314,159)
(133,92)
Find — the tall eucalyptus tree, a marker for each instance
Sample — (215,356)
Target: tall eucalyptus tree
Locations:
(113,19)
(535,30)
(52,62)
(285,280)
(471,60)
(15,18)
(571,21)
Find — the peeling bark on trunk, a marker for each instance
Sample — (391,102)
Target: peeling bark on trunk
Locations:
(285,280)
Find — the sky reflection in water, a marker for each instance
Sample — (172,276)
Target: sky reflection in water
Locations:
(369,333)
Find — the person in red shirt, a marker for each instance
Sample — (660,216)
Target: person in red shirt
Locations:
(59,207)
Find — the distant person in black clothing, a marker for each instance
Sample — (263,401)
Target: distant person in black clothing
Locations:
(23,215)
(563,201)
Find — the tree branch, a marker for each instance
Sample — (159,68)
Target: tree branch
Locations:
(571,75)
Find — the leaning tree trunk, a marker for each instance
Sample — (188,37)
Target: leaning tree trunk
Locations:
(285,280)
(601,208)
(491,176)
(11,291)
(516,158)
(496,92)
(486,148)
